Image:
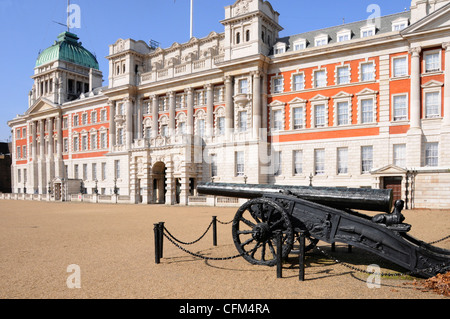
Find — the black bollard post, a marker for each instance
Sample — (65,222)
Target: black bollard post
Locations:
(279,255)
(214,224)
(161,239)
(157,244)
(301,257)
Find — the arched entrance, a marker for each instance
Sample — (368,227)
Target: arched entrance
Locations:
(159,183)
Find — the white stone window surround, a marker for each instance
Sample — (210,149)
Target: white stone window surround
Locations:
(297,162)
(163,121)
(368,31)
(276,89)
(400,24)
(317,101)
(432,87)
(219,113)
(336,74)
(75,141)
(367,94)
(180,118)
(343,35)
(293,84)
(93,135)
(339,98)
(94,117)
(146,125)
(299,44)
(279,48)
(297,103)
(393,61)
(428,53)
(277,106)
(103,130)
(320,40)
(361,79)
(319,69)
(393,96)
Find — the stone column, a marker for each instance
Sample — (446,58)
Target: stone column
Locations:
(34,166)
(414,136)
(256,104)
(155,116)
(190,111)
(446,115)
(129,122)
(59,148)
(172,107)
(139,118)
(209,110)
(112,125)
(415,88)
(41,165)
(229,106)
(170,184)
(50,155)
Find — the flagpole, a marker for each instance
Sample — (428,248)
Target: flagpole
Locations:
(192,6)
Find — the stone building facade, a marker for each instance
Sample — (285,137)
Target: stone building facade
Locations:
(364,104)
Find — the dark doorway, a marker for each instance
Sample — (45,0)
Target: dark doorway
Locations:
(394,183)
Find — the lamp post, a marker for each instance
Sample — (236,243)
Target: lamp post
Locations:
(310,179)
(96,188)
(245,179)
(115,186)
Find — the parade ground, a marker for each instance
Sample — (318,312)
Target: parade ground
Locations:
(69,250)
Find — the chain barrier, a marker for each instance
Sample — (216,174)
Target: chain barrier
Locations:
(439,240)
(201,256)
(192,242)
(225,223)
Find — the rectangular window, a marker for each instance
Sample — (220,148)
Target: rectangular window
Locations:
(432,154)
(278,124)
(65,123)
(319,115)
(400,108)
(367,71)
(277,85)
(400,155)
(84,143)
(85,171)
(299,82)
(181,129)
(24,151)
(343,37)
(299,118)
(432,104)
(342,160)
(94,143)
(164,130)
(84,119)
(343,75)
(432,62)
(242,121)
(221,125)
(320,79)
(103,116)
(298,162)
(213,165)
(24,133)
(94,117)
(367,111)
(103,140)
(117,169)
(75,121)
(240,164)
(277,164)
(400,67)
(201,127)
(76,144)
(75,171)
(342,110)
(19,152)
(120,136)
(94,171)
(65,145)
(103,171)
(319,162)
(366,159)
(243,86)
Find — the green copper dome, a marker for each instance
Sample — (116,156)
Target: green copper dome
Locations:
(67,48)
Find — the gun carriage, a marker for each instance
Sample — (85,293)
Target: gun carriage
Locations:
(326,214)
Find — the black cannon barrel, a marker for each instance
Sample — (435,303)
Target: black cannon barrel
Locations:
(337,197)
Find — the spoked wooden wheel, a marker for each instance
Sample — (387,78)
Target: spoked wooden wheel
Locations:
(255,227)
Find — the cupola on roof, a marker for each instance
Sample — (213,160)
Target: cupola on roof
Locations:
(67,48)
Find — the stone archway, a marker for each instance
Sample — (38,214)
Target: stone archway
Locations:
(159,183)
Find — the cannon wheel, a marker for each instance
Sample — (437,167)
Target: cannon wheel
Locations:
(254,230)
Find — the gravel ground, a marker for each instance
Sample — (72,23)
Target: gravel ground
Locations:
(113,246)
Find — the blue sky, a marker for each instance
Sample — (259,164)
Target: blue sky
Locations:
(27,26)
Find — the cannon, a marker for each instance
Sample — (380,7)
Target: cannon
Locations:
(325,214)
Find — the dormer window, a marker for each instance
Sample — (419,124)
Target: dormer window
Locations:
(321,40)
(399,24)
(300,45)
(367,31)
(344,35)
(279,48)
